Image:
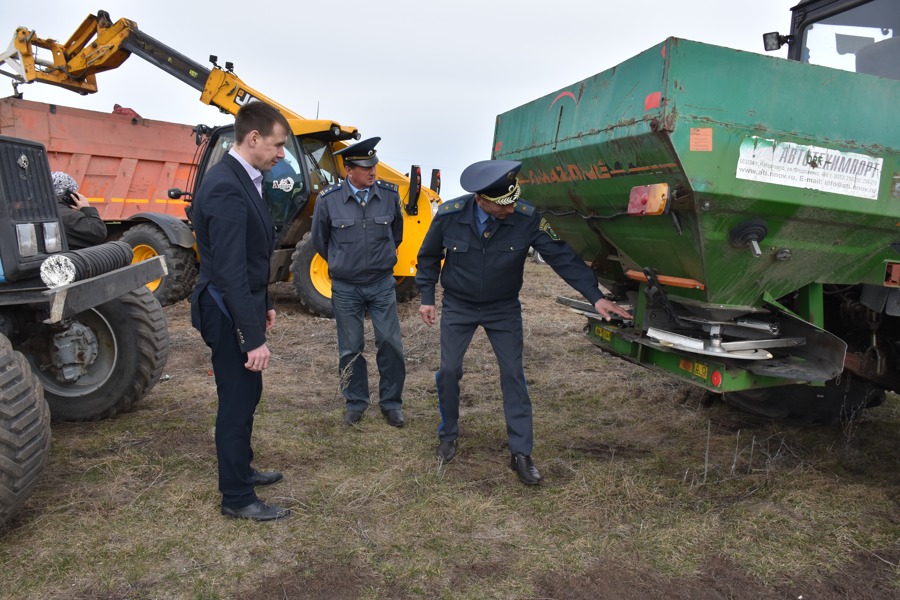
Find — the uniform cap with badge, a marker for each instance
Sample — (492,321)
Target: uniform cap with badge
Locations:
(360,154)
(493,180)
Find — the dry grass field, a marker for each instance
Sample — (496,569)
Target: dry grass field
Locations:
(649,493)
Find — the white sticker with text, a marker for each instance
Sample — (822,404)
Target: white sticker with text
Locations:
(812,167)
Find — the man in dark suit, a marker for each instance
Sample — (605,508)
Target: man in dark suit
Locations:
(231,306)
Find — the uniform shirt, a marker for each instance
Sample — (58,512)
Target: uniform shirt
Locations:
(355,191)
(482,219)
(255,174)
(358,242)
(481,269)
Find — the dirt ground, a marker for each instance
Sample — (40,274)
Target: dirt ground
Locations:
(866,575)
(650,491)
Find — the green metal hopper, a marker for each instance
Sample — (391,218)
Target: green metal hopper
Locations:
(747,206)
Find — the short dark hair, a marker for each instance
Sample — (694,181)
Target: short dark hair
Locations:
(259,116)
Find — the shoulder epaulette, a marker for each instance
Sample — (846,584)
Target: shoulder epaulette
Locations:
(329,189)
(451,206)
(387,185)
(525,208)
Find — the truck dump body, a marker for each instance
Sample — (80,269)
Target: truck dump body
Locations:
(810,152)
(124,165)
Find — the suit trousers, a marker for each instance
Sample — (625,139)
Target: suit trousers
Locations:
(239,391)
(502,322)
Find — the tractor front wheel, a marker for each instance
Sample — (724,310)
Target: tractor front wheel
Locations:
(309,272)
(24,430)
(147,241)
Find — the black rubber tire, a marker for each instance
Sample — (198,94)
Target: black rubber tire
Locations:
(309,273)
(133,338)
(841,399)
(148,240)
(406,289)
(24,430)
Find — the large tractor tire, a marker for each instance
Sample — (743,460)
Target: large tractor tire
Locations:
(132,339)
(148,241)
(24,431)
(309,272)
(839,400)
(406,289)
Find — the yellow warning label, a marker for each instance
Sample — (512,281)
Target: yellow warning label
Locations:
(604,334)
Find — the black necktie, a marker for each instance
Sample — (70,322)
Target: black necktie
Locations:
(361,194)
(488,226)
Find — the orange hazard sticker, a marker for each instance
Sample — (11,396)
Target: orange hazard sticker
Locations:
(701,139)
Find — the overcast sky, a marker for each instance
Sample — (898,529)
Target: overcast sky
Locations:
(428,77)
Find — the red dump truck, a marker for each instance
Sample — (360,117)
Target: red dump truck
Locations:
(125,166)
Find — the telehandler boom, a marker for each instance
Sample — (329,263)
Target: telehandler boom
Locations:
(100,44)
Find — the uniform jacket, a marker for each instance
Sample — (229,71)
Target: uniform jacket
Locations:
(235,238)
(481,269)
(359,243)
(83,227)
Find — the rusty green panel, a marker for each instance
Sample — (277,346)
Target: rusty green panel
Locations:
(738,137)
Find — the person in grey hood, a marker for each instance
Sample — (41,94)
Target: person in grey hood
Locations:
(81,221)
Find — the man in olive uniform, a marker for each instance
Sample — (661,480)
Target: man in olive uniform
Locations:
(357,227)
(483,239)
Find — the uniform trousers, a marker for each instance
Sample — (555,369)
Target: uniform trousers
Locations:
(350,303)
(502,322)
(239,391)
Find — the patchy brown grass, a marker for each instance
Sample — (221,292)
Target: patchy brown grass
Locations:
(650,492)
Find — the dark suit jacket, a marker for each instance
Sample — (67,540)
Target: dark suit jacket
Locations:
(235,238)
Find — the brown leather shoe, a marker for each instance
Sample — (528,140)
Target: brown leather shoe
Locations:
(257,511)
(525,469)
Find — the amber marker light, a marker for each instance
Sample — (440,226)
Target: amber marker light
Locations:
(648,200)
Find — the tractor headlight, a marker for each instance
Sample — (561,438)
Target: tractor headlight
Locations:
(52,238)
(58,270)
(26,234)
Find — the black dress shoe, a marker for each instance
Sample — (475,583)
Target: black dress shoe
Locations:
(352,417)
(525,469)
(267,478)
(394,417)
(257,511)
(446,450)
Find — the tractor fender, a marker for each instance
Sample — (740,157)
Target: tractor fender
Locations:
(178,231)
